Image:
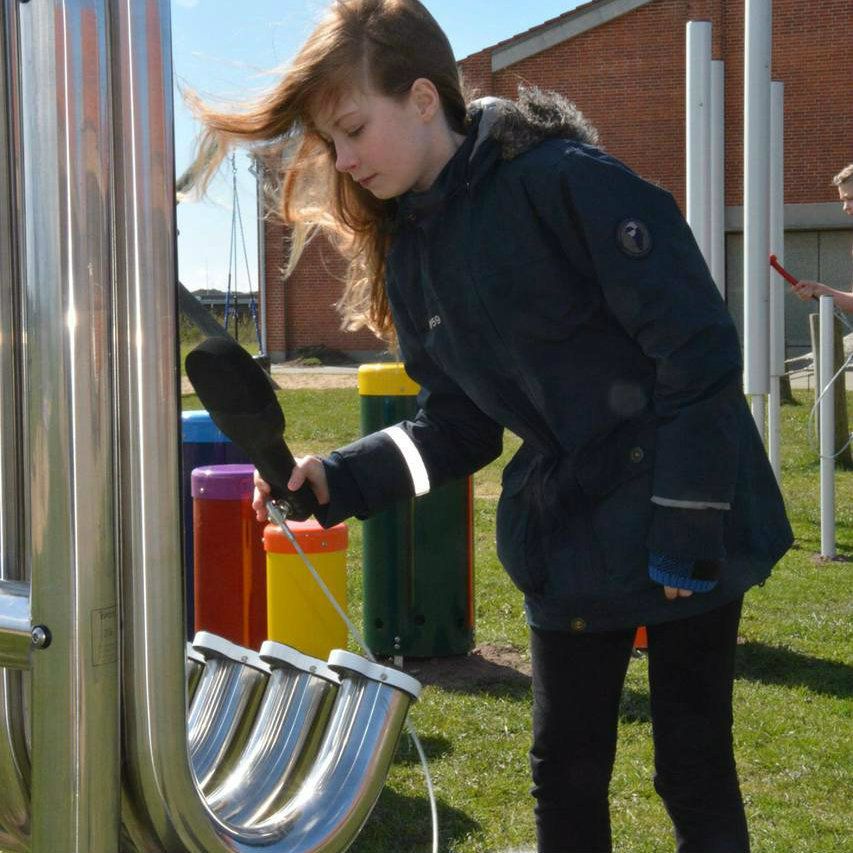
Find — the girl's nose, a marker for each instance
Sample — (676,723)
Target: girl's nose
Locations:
(345,160)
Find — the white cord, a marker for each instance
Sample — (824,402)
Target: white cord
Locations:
(281,520)
(811,427)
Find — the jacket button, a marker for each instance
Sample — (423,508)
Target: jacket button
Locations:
(577,625)
(637,454)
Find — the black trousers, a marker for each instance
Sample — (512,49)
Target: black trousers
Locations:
(577,683)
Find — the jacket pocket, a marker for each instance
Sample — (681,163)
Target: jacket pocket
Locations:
(605,464)
(620,523)
(519,545)
(610,486)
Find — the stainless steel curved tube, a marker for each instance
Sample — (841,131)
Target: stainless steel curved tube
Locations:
(195,666)
(164,810)
(350,769)
(284,741)
(98,440)
(224,706)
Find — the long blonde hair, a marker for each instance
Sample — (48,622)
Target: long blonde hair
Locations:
(386,43)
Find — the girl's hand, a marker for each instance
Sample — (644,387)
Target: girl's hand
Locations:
(807,290)
(308,469)
(672,592)
(260,497)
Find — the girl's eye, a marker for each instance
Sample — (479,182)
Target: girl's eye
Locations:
(353,133)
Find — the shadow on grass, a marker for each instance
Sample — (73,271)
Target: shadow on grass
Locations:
(497,671)
(634,706)
(400,823)
(774,665)
(434,747)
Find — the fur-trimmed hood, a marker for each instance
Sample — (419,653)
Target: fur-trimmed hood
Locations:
(519,125)
(499,129)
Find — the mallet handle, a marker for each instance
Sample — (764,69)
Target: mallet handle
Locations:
(774,262)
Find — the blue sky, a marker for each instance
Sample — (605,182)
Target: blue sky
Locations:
(227,50)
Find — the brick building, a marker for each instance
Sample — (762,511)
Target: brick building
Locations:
(623,63)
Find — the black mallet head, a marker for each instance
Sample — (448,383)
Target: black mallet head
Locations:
(239,398)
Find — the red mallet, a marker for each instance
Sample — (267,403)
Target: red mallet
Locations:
(774,262)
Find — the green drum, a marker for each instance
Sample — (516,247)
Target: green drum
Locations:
(419,555)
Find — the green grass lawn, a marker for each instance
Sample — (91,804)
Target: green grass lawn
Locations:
(792,694)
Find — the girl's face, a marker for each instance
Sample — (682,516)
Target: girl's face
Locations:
(388,145)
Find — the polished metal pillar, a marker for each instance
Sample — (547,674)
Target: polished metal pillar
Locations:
(14,758)
(68,423)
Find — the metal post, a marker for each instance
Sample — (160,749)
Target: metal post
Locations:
(777,291)
(699,133)
(756,227)
(826,417)
(14,757)
(258,168)
(718,175)
(68,424)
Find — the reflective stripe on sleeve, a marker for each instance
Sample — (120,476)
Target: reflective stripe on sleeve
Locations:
(414,462)
(689,504)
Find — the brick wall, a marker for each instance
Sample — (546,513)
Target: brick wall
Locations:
(628,77)
(300,310)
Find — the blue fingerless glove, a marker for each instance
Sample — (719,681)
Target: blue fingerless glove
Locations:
(671,571)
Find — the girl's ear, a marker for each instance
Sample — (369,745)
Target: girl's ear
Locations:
(425,97)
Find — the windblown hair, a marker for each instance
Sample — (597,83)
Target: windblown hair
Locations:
(846,174)
(381,45)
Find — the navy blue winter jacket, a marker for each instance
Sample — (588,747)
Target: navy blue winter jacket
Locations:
(541,286)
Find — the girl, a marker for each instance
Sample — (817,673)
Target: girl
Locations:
(534,283)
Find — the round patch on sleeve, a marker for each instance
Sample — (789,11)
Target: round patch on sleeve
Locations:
(634,238)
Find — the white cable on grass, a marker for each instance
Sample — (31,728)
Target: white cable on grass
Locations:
(281,520)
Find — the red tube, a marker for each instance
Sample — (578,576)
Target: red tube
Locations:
(229,557)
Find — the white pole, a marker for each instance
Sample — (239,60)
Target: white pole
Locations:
(699,132)
(258,168)
(758,404)
(756,183)
(718,175)
(777,286)
(827,429)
